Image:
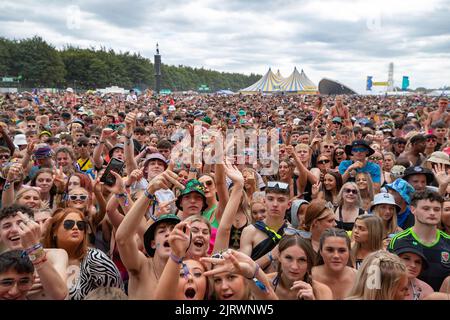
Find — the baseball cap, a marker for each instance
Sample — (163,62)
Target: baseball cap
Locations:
(149,235)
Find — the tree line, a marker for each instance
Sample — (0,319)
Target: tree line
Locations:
(40,64)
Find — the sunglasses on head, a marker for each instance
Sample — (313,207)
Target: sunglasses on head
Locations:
(278,185)
(323,161)
(75,197)
(69,224)
(351,191)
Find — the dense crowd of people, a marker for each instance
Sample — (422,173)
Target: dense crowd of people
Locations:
(106,196)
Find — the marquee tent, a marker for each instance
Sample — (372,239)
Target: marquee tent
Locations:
(268,83)
(298,83)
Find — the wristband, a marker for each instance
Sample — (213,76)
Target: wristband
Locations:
(256,272)
(7,185)
(150,196)
(123,195)
(270,256)
(179,260)
(154,218)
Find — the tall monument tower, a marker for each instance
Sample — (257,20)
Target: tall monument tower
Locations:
(391,77)
(157,70)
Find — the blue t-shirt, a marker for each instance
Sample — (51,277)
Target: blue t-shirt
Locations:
(371,168)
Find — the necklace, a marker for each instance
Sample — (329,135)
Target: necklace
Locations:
(154,271)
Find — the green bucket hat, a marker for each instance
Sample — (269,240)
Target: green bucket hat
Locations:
(149,235)
(192,185)
(207,120)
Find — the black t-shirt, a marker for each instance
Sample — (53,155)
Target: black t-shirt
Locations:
(437,254)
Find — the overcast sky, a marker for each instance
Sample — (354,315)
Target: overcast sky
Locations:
(342,40)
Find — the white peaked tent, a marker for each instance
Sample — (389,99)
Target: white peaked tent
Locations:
(298,83)
(268,83)
(278,74)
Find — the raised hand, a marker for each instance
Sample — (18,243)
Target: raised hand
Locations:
(234,174)
(315,189)
(59,179)
(164,180)
(29,231)
(118,187)
(441,174)
(180,239)
(233,262)
(14,172)
(305,290)
(165,207)
(130,123)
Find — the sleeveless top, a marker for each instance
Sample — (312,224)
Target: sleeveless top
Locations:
(269,243)
(347,226)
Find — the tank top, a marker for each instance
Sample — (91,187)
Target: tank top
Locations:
(347,226)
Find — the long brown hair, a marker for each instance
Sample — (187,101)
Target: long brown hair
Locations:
(50,240)
(294,240)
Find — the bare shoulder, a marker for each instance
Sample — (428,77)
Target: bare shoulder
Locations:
(317,271)
(55,254)
(437,296)
(249,229)
(323,292)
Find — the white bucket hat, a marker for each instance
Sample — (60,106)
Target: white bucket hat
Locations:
(20,140)
(384,198)
(439,157)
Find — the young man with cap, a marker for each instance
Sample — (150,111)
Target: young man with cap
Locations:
(415,154)
(425,236)
(402,192)
(258,239)
(360,151)
(144,272)
(420,178)
(415,262)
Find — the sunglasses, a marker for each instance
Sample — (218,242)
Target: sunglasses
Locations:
(351,191)
(82,144)
(328,147)
(323,161)
(69,224)
(278,185)
(4,156)
(360,150)
(74,197)
(92,144)
(95,137)
(431,140)
(31,126)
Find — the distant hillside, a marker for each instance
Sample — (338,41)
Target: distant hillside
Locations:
(41,65)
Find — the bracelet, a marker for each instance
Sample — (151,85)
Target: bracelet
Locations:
(37,255)
(7,185)
(270,256)
(38,264)
(37,246)
(176,259)
(154,218)
(256,272)
(123,195)
(150,196)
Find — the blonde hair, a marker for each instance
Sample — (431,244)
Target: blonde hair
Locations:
(391,226)
(369,189)
(358,195)
(390,269)
(375,231)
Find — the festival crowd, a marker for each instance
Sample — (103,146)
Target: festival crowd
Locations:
(106,196)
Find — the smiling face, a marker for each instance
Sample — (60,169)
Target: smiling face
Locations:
(200,240)
(63,159)
(229,286)
(9,232)
(361,181)
(192,286)
(30,199)
(78,198)
(329,182)
(14,285)
(335,253)
(44,181)
(294,263)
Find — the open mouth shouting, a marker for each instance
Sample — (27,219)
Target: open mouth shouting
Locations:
(190,293)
